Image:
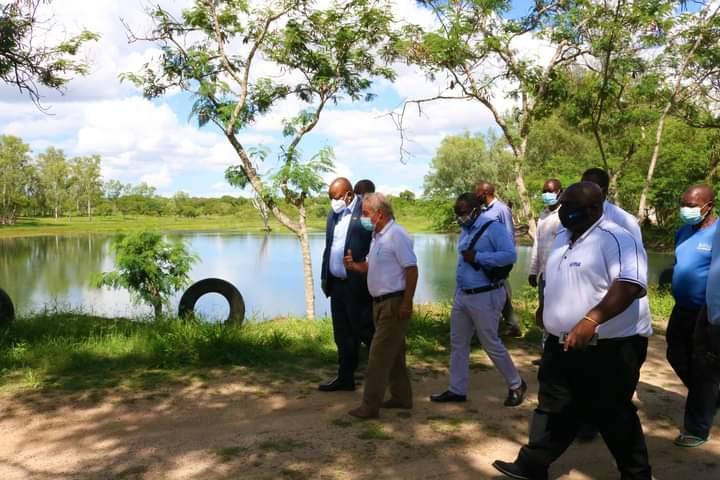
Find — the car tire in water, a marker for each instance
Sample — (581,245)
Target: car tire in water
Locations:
(7,310)
(214,285)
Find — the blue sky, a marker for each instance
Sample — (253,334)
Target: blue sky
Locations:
(155,142)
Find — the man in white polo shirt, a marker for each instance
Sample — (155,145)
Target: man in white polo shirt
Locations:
(595,277)
(392,275)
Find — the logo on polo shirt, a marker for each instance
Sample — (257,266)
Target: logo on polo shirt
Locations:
(574,264)
(704,247)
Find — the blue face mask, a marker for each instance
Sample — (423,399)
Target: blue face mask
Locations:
(550,198)
(367,224)
(692,215)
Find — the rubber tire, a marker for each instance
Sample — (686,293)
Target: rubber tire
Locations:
(214,285)
(7,310)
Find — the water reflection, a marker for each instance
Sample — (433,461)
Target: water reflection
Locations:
(40,272)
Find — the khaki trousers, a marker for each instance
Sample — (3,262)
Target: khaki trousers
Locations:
(386,364)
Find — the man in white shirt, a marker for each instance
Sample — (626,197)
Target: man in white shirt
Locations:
(595,277)
(547,228)
(392,275)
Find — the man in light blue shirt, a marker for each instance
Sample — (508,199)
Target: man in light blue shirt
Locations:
(479,300)
(686,337)
(494,209)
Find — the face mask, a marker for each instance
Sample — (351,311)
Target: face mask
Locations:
(367,224)
(550,198)
(338,205)
(692,215)
(466,220)
(571,218)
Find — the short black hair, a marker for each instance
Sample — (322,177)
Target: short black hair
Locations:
(598,176)
(468,198)
(364,186)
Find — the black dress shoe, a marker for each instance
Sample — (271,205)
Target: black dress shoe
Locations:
(516,395)
(336,384)
(513,470)
(447,396)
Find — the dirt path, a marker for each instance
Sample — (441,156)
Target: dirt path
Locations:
(242,426)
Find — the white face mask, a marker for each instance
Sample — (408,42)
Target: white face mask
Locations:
(338,205)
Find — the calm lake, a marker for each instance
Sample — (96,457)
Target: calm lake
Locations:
(56,272)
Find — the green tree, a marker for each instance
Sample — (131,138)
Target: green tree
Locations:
(474,47)
(26,61)
(54,178)
(16,179)
(87,181)
(459,163)
(329,52)
(151,268)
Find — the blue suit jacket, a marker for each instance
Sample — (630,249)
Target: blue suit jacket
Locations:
(358,240)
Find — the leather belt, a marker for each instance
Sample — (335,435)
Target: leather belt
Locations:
(486,288)
(382,298)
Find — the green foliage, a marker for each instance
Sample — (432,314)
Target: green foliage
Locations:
(25,64)
(17,180)
(151,268)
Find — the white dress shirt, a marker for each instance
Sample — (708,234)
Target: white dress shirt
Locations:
(391,252)
(337,249)
(547,229)
(578,276)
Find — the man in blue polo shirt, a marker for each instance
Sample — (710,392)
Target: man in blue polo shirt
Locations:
(693,252)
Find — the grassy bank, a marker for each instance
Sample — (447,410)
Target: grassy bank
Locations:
(251,223)
(68,351)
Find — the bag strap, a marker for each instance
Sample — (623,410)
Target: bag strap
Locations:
(477,236)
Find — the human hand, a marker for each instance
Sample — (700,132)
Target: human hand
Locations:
(348,261)
(406,308)
(532,280)
(580,336)
(469,256)
(539,318)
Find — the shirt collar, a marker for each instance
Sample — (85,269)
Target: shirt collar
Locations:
(588,231)
(385,229)
(490,205)
(351,208)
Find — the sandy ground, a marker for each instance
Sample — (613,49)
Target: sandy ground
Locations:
(242,425)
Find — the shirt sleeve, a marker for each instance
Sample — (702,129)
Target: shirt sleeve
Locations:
(534,253)
(403,246)
(629,258)
(503,252)
(507,221)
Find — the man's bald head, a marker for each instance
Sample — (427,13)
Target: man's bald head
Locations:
(484,188)
(582,206)
(698,196)
(339,188)
(584,194)
(552,185)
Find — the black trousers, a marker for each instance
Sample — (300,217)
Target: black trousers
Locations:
(595,386)
(687,346)
(352,325)
(680,338)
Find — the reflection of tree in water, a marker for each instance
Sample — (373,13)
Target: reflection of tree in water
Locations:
(438,256)
(49,267)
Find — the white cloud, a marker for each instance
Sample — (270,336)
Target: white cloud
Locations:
(160,179)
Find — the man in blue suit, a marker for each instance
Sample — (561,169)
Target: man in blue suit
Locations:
(350,302)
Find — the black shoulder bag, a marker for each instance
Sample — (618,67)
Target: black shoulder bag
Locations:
(494,274)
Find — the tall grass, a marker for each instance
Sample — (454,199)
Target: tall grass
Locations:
(77,351)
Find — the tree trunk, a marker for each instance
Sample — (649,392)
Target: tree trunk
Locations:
(157,309)
(57,212)
(307,267)
(522,189)
(89,208)
(643,208)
